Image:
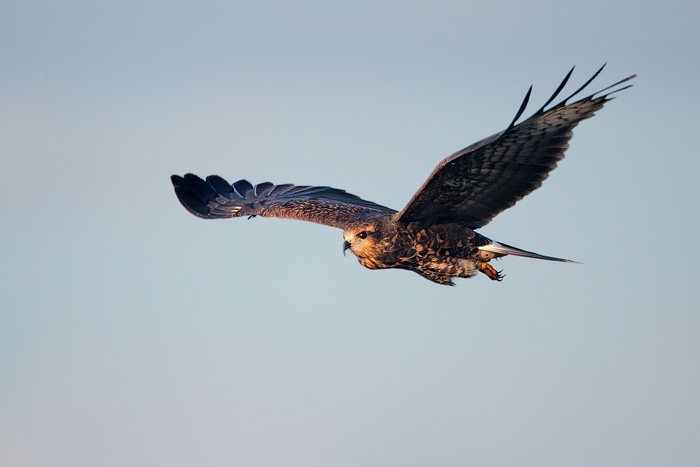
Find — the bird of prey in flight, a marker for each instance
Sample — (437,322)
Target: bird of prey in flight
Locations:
(434,234)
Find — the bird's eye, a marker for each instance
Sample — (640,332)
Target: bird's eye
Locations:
(362,235)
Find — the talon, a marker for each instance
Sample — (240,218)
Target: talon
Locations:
(490,272)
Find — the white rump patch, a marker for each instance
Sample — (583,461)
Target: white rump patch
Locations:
(495,247)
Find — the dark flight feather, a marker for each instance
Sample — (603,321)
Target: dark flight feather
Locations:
(475,184)
(215,198)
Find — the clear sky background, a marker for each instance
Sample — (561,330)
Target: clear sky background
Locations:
(132,333)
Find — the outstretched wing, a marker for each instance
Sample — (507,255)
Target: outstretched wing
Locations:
(215,198)
(475,184)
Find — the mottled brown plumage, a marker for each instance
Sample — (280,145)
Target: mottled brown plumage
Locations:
(434,234)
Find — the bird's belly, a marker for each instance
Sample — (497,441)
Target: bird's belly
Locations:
(455,267)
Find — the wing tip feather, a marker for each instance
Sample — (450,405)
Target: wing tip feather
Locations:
(560,88)
(521,109)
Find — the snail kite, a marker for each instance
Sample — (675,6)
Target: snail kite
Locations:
(434,235)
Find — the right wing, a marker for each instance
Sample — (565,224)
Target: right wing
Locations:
(475,184)
(215,198)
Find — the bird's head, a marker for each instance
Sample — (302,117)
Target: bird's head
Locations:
(364,241)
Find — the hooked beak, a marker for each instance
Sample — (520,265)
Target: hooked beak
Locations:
(346,245)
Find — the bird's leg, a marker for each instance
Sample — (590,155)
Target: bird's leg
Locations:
(490,272)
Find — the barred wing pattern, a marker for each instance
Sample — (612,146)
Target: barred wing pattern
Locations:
(215,198)
(475,184)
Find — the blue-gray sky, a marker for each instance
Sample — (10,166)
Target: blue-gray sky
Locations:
(132,333)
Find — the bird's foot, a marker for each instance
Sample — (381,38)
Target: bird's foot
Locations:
(490,272)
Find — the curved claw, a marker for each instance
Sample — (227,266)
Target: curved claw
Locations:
(490,272)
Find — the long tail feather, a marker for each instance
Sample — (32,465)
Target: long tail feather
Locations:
(503,249)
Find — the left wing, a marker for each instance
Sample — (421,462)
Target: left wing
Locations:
(475,184)
(215,198)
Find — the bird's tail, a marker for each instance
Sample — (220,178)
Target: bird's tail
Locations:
(503,249)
